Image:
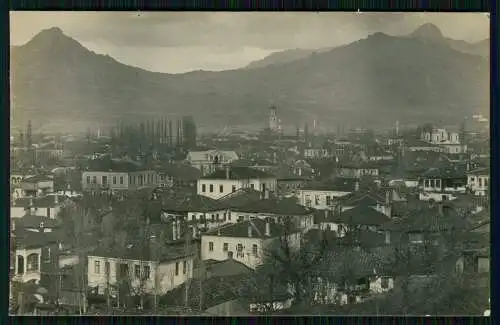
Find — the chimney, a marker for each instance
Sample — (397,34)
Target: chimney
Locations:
(268,228)
(387,237)
(440,209)
(249,231)
(227,172)
(174,231)
(356,186)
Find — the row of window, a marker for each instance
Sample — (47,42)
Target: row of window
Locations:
(184,267)
(432,183)
(140,180)
(146,271)
(211,188)
(480,181)
(239,248)
(214,217)
(317,200)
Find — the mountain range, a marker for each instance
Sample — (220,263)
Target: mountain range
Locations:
(59,84)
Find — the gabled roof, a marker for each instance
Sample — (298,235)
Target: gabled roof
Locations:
(366,198)
(226,268)
(258,226)
(48,201)
(480,171)
(241,197)
(443,173)
(113,165)
(25,239)
(287,206)
(34,221)
(237,173)
(180,171)
(138,251)
(338,184)
(197,203)
(36,179)
(363,215)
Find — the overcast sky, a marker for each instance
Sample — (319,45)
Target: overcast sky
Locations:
(177,42)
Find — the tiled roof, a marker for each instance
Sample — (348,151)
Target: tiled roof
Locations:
(180,171)
(366,198)
(31,239)
(349,262)
(106,164)
(429,220)
(480,171)
(226,268)
(288,206)
(48,201)
(36,179)
(443,173)
(364,238)
(239,173)
(195,203)
(241,197)
(137,251)
(338,184)
(34,221)
(258,227)
(363,215)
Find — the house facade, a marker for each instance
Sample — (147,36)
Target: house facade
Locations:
(245,241)
(230,179)
(209,161)
(441,185)
(151,276)
(322,195)
(478,181)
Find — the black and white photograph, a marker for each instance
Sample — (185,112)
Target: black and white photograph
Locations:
(249,163)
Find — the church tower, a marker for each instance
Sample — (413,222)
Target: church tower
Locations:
(273,119)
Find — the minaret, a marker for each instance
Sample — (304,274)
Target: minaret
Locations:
(273,119)
(397,128)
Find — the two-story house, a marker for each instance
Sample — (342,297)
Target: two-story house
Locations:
(38,185)
(478,181)
(322,195)
(208,161)
(448,141)
(112,175)
(178,175)
(442,184)
(47,206)
(246,241)
(274,209)
(153,271)
(357,169)
(230,179)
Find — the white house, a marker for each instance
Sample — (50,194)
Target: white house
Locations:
(478,181)
(47,206)
(323,194)
(116,175)
(448,141)
(277,210)
(441,184)
(245,241)
(230,179)
(38,185)
(152,274)
(209,160)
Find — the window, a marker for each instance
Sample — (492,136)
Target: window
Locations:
(97,267)
(88,179)
(203,188)
(210,246)
(106,268)
(94,180)
(328,200)
(104,180)
(225,247)
(211,187)
(480,182)
(184,267)
(213,217)
(221,188)
(384,282)
(230,255)
(316,200)
(254,250)
(432,183)
(225,216)
(416,238)
(193,217)
(121,180)
(252,186)
(229,216)
(485,182)
(147,271)
(426,183)
(176,268)
(472,179)
(137,271)
(239,250)
(114,180)
(234,188)
(32,263)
